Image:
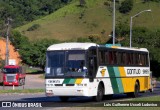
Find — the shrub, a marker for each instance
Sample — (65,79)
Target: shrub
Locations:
(126,6)
(33,27)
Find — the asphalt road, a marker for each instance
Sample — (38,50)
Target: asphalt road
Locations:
(75,101)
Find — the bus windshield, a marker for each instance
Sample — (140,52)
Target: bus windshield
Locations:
(66,63)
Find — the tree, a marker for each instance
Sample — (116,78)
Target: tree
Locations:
(126,6)
(32,53)
(122,29)
(38,54)
(65,1)
(18,40)
(24,11)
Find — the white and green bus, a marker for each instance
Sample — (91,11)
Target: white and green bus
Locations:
(88,69)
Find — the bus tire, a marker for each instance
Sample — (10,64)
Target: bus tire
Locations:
(136,90)
(100,93)
(64,98)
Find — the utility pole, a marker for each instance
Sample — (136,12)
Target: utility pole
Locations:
(132,23)
(7,41)
(114,21)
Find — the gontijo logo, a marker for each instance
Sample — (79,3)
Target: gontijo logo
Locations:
(53,81)
(103,72)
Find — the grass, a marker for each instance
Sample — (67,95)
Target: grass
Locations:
(23,91)
(61,24)
(33,71)
(67,10)
(73,21)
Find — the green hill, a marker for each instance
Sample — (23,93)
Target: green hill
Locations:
(73,21)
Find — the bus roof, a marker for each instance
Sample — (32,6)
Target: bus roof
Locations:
(85,46)
(133,48)
(71,46)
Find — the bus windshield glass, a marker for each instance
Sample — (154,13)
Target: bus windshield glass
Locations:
(66,63)
(10,70)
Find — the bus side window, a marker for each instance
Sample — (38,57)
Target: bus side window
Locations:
(146,57)
(115,57)
(131,56)
(139,59)
(101,57)
(121,58)
(142,59)
(106,58)
(128,59)
(134,58)
(110,57)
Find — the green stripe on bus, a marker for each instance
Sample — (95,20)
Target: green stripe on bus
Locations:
(113,80)
(119,80)
(72,81)
(69,81)
(66,81)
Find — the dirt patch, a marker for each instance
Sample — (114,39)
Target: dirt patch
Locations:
(13,54)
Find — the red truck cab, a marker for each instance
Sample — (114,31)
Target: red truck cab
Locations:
(13,75)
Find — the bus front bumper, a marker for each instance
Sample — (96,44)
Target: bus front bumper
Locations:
(84,91)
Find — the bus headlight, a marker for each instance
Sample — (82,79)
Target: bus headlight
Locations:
(81,84)
(49,93)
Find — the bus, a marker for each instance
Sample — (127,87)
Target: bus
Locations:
(98,71)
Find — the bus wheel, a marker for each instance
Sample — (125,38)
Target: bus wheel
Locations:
(136,90)
(100,93)
(64,98)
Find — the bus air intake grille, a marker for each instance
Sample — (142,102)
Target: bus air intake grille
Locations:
(70,84)
(58,84)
